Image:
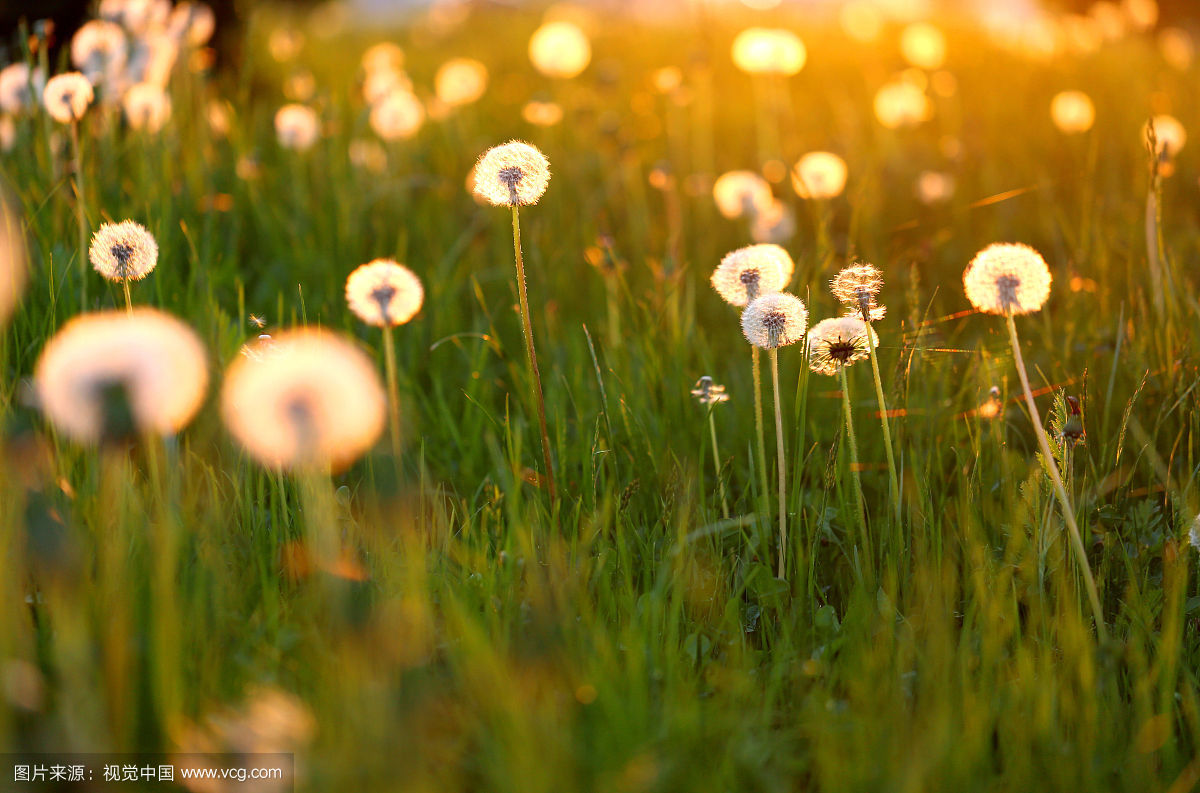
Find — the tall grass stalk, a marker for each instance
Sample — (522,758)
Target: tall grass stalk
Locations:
(80,215)
(860,504)
(534,375)
(1056,480)
(893,481)
(712,429)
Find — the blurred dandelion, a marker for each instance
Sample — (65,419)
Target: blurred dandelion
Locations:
(124,252)
(934,187)
(902,104)
(710,394)
(20,87)
(1169,135)
(1012,279)
(1177,48)
(770,322)
(819,175)
(773,224)
(739,193)
(67,97)
(385,293)
(460,81)
(13,266)
(1007,278)
(378,85)
(1072,112)
(560,49)
(98,49)
(152,362)
(856,287)
(383,57)
(515,174)
(192,23)
(147,106)
(398,115)
(759,50)
(297,127)
(923,45)
(311,400)
(542,114)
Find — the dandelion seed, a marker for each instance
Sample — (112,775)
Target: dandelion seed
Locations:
(1007,278)
(147,107)
(313,401)
(838,342)
(383,292)
(769,51)
(707,392)
(20,87)
(123,251)
(157,363)
(740,193)
(774,320)
(923,45)
(856,288)
(397,116)
(257,321)
(1073,112)
(1169,134)
(297,127)
(902,104)
(460,81)
(560,49)
(67,97)
(512,174)
(749,272)
(819,175)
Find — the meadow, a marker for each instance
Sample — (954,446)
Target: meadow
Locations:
(425,615)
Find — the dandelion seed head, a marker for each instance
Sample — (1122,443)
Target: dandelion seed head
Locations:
(147,106)
(158,363)
(769,51)
(838,342)
(740,193)
(20,87)
(383,292)
(460,81)
(819,175)
(774,320)
(512,174)
(560,49)
(708,392)
(752,271)
(99,49)
(1006,278)
(67,97)
(311,399)
(123,251)
(900,103)
(378,85)
(1072,112)
(397,116)
(1170,135)
(856,288)
(297,127)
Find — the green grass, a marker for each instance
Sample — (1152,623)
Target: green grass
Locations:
(630,639)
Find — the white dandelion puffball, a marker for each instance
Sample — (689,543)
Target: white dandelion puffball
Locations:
(560,49)
(749,272)
(67,97)
(312,399)
(147,107)
(397,116)
(512,174)
(769,51)
(99,49)
(838,342)
(739,193)
(819,175)
(1072,112)
(460,81)
(902,104)
(384,56)
(297,127)
(383,292)
(856,287)
(158,362)
(1170,135)
(923,45)
(1007,278)
(123,251)
(774,224)
(20,87)
(774,320)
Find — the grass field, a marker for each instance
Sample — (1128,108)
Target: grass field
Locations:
(461,630)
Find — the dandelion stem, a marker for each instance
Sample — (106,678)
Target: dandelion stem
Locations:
(893,482)
(128,299)
(534,375)
(389,365)
(758,424)
(781,462)
(80,215)
(860,504)
(712,428)
(1056,480)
